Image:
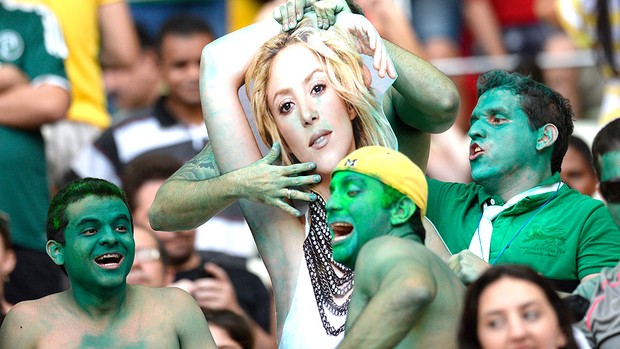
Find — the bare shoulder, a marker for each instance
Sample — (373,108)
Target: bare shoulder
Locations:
(18,328)
(167,299)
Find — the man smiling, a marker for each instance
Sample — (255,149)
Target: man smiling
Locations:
(90,236)
(518,210)
(405,296)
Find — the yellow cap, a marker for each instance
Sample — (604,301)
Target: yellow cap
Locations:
(391,168)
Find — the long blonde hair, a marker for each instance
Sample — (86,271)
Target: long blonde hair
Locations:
(344,68)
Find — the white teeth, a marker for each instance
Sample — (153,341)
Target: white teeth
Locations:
(477,149)
(340,238)
(319,140)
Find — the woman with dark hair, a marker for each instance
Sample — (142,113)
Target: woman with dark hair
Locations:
(513,305)
(229,329)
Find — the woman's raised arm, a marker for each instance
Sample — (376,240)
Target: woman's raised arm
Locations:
(199,190)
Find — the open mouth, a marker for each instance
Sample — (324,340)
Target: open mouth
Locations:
(109,260)
(341,230)
(474,151)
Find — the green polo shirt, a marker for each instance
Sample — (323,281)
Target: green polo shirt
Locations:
(569,238)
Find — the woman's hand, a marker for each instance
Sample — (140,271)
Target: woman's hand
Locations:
(273,185)
(368,42)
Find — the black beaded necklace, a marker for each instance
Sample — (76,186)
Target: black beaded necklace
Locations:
(328,286)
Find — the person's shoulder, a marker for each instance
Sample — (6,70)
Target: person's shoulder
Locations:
(28,321)
(166,297)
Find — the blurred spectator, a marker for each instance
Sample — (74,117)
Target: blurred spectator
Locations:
(229,330)
(153,13)
(7,261)
(606,153)
(593,24)
(133,91)
(216,280)
(151,265)
(174,127)
(577,167)
(34,91)
(438,24)
(500,27)
(98,33)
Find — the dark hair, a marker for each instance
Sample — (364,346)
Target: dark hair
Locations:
(605,38)
(5,230)
(468,331)
(390,197)
(75,191)
(182,25)
(145,40)
(583,149)
(144,168)
(606,140)
(234,324)
(541,104)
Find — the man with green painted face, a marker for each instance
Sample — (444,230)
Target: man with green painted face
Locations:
(90,236)
(405,296)
(518,210)
(601,324)
(606,154)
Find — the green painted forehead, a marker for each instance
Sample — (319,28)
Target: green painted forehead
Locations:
(610,165)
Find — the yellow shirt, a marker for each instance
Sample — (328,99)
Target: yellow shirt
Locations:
(80,24)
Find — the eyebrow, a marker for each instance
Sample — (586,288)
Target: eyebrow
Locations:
(496,110)
(89,220)
(521,307)
(287,89)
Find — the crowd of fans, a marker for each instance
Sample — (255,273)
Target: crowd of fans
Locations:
(112,89)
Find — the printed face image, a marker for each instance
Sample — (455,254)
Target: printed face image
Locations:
(514,313)
(99,246)
(502,143)
(355,214)
(313,120)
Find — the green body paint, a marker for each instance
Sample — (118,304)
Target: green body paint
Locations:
(503,153)
(99,248)
(610,170)
(355,214)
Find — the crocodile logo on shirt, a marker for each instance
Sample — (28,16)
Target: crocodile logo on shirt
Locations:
(11,46)
(541,240)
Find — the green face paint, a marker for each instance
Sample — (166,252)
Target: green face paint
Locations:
(355,214)
(610,171)
(99,247)
(502,143)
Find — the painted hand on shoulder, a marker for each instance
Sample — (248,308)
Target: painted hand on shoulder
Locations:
(368,42)
(270,184)
(467,266)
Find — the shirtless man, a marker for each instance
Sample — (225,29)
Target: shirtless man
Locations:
(90,236)
(405,296)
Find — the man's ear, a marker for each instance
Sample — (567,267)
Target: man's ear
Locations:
(402,210)
(56,252)
(547,135)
